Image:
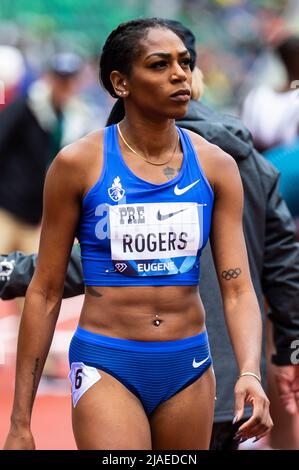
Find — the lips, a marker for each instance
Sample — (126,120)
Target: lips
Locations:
(181,95)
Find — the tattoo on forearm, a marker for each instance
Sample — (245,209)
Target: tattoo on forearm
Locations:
(34,380)
(231,274)
(90,290)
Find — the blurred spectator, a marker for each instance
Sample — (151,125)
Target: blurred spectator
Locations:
(273,119)
(273,116)
(12,71)
(33,128)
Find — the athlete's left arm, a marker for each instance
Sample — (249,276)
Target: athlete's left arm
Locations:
(242,313)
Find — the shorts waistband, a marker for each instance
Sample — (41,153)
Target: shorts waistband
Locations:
(129,344)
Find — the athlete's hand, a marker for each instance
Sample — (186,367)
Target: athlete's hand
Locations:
(19,439)
(249,391)
(287,379)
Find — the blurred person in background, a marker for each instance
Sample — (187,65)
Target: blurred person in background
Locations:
(273,256)
(33,128)
(274,263)
(272,116)
(12,73)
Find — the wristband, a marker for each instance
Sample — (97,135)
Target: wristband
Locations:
(250,374)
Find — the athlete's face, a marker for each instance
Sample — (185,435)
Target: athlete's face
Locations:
(160,81)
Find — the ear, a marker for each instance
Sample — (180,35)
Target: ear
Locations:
(119,83)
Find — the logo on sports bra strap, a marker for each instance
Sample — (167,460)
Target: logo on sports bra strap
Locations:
(116,192)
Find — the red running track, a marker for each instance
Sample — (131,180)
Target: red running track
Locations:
(51,419)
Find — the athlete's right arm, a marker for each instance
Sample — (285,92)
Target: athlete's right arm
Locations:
(62,200)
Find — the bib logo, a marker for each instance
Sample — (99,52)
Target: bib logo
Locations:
(121,267)
(116,192)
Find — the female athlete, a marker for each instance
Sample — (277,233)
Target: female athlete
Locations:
(142,197)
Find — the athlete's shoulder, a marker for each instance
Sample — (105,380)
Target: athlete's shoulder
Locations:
(81,150)
(77,161)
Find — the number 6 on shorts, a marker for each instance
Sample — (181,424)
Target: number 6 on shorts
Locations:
(82,377)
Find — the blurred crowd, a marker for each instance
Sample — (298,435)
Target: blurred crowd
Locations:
(235,38)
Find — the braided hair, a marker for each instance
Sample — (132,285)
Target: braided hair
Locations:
(123,46)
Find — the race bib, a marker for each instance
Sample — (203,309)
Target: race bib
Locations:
(82,377)
(155,239)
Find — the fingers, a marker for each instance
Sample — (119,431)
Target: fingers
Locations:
(260,422)
(257,438)
(239,405)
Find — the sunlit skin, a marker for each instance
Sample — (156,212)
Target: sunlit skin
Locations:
(109,416)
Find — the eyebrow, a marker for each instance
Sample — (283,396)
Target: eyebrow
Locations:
(167,55)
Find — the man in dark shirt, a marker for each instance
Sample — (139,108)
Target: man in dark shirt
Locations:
(33,128)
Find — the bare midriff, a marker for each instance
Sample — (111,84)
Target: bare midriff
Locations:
(147,313)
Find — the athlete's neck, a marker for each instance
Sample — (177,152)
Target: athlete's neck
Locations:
(151,139)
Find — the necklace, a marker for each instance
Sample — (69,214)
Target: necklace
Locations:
(143,158)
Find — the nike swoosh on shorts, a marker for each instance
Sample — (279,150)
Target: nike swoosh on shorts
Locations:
(180,191)
(170,214)
(198,364)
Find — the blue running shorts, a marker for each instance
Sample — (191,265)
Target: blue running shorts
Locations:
(153,370)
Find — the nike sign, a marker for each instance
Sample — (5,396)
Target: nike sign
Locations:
(198,364)
(170,214)
(181,191)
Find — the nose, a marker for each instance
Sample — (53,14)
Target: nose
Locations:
(178,73)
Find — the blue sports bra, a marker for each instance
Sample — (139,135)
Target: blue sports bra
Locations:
(136,233)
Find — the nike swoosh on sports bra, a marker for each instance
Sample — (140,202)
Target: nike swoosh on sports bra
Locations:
(133,232)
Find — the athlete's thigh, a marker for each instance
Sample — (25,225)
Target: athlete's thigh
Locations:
(109,416)
(185,420)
